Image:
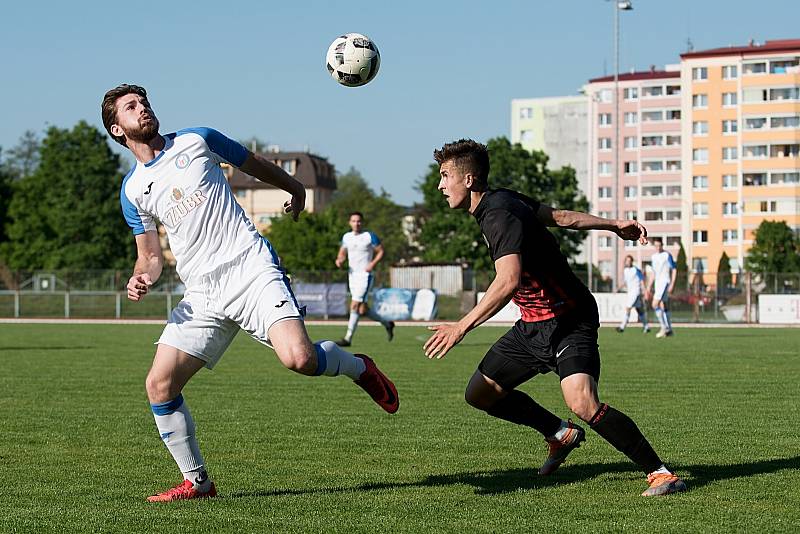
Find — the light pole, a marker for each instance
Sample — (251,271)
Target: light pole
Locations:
(621,5)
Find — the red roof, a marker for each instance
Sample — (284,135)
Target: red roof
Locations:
(780,45)
(644,75)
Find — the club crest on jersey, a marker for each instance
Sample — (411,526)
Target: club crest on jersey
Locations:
(182,161)
(184,205)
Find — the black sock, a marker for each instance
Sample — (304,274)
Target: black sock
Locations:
(519,408)
(620,431)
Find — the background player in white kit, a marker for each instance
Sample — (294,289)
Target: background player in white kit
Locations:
(633,280)
(232,277)
(663,281)
(363,250)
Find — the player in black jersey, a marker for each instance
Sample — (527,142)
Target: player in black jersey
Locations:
(558,328)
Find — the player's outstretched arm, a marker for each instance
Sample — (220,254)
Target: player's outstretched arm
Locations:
(629,230)
(266,171)
(149,262)
(502,288)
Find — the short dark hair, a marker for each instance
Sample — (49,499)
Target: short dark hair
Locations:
(629,256)
(468,155)
(108,109)
(356,213)
(657,239)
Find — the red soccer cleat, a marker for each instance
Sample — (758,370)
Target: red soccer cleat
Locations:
(183,491)
(380,388)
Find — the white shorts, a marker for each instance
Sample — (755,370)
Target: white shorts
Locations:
(360,284)
(660,292)
(250,293)
(633,300)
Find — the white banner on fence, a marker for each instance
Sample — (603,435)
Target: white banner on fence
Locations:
(611,307)
(779,309)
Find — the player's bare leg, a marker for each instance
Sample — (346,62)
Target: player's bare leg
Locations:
(580,394)
(170,372)
(297,353)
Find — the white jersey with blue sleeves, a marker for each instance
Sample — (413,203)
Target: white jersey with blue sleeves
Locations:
(360,250)
(633,280)
(185,189)
(663,264)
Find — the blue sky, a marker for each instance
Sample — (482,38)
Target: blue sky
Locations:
(449,68)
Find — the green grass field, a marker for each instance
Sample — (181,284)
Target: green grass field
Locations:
(79,450)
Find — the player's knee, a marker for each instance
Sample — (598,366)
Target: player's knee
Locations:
(159,388)
(478,399)
(582,406)
(300,359)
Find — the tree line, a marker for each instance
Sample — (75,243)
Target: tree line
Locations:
(59,209)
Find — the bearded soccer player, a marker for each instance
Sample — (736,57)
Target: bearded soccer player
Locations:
(231,273)
(558,329)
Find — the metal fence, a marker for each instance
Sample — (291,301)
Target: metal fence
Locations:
(700,297)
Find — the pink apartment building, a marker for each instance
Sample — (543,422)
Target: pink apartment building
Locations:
(649,162)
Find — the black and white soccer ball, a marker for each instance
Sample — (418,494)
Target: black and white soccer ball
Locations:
(353,59)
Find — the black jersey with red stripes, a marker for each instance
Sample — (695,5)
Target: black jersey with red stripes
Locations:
(548,287)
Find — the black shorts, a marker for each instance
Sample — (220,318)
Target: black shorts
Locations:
(566,344)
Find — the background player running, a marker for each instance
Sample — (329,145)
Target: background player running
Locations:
(558,329)
(635,295)
(363,250)
(663,282)
(232,277)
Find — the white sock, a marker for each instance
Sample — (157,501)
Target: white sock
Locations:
(624,322)
(372,314)
(661,318)
(352,324)
(562,430)
(176,427)
(332,360)
(662,471)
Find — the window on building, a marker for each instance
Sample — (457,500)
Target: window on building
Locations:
(673,115)
(652,166)
(730,153)
(700,265)
(673,90)
(652,116)
(672,240)
(768,206)
(784,151)
(673,165)
(787,93)
(699,237)
(699,73)
(604,119)
(630,93)
(752,95)
(605,95)
(651,92)
(754,178)
(525,113)
(699,183)
(673,215)
(604,241)
(604,192)
(652,140)
(631,117)
(729,99)
(700,155)
(784,178)
(630,214)
(630,142)
(730,127)
(630,192)
(754,151)
(700,209)
(730,72)
(729,181)
(700,127)
(673,140)
(730,208)
(631,167)
(782,66)
(730,236)
(754,68)
(654,215)
(700,101)
(673,190)
(785,122)
(526,136)
(755,123)
(604,168)
(652,190)
(604,214)
(288,166)
(604,143)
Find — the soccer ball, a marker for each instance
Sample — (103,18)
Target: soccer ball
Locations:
(353,59)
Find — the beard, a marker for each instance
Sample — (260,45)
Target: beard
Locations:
(145,132)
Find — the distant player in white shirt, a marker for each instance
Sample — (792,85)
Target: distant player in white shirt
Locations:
(662,282)
(363,250)
(634,298)
(231,273)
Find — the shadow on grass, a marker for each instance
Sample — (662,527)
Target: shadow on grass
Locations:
(511,480)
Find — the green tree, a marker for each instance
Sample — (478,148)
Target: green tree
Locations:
(6,179)
(310,244)
(449,235)
(682,268)
(23,158)
(66,213)
(775,249)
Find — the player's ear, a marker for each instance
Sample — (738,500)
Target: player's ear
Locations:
(469,180)
(116,130)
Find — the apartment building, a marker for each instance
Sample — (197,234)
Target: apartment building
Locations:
(648,175)
(741,113)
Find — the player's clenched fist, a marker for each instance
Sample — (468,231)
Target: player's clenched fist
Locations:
(138,285)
